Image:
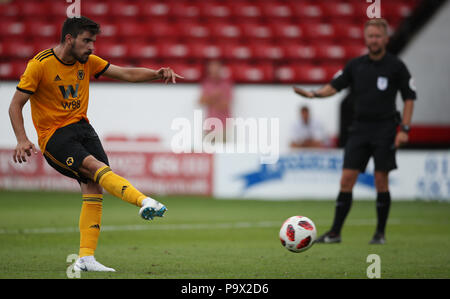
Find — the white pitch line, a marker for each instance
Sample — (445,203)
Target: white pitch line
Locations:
(196,226)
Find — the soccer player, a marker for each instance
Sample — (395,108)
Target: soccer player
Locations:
(57,83)
(374,80)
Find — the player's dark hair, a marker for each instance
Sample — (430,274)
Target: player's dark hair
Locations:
(75,26)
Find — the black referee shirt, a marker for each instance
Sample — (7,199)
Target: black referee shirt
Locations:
(374,85)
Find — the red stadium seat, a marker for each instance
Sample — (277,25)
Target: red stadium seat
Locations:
(125,9)
(330,51)
(190,72)
(42,29)
(256,31)
(336,9)
(57,9)
(163,30)
(218,10)
(267,51)
(206,51)
(286,74)
(247,10)
(143,51)
(349,31)
(311,74)
(286,31)
(306,73)
(96,9)
(133,30)
(275,9)
(396,10)
(299,51)
(324,34)
(237,51)
(226,31)
(11,10)
(318,30)
(154,10)
(174,50)
(355,50)
(109,32)
(184,10)
(12,70)
(18,49)
(12,28)
(191,30)
(111,50)
(307,10)
(247,73)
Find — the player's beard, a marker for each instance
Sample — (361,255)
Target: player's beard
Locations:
(80,58)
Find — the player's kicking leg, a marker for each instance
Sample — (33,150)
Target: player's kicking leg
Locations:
(89,225)
(116,185)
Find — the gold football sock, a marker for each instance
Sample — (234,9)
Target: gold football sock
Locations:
(118,186)
(90,218)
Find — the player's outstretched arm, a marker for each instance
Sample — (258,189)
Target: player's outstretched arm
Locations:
(24,145)
(140,74)
(325,91)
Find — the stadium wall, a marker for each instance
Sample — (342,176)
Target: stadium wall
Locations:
(427,57)
(149,109)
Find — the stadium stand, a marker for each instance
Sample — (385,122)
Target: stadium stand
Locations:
(266,41)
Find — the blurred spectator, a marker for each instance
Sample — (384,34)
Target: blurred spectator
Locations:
(307,132)
(216,94)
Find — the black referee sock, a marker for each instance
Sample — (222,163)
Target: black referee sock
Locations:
(343,204)
(383,205)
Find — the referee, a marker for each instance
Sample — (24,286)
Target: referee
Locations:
(374,80)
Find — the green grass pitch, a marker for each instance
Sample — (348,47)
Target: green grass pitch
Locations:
(209,238)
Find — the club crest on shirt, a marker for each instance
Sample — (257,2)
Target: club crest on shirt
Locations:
(382,83)
(80,75)
(69,161)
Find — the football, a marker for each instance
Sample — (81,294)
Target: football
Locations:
(298,233)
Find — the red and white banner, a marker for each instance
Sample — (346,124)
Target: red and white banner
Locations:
(152,173)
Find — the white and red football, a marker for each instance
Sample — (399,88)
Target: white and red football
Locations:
(298,233)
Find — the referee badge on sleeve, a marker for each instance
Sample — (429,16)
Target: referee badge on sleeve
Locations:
(382,83)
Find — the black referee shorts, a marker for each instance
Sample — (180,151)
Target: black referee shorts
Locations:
(371,139)
(69,145)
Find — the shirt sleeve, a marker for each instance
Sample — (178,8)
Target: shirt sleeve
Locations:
(343,78)
(97,66)
(31,78)
(407,85)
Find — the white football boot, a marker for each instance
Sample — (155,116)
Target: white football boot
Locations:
(151,208)
(89,264)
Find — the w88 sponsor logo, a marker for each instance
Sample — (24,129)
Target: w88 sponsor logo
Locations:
(71,105)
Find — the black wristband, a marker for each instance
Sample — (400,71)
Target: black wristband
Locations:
(405,128)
